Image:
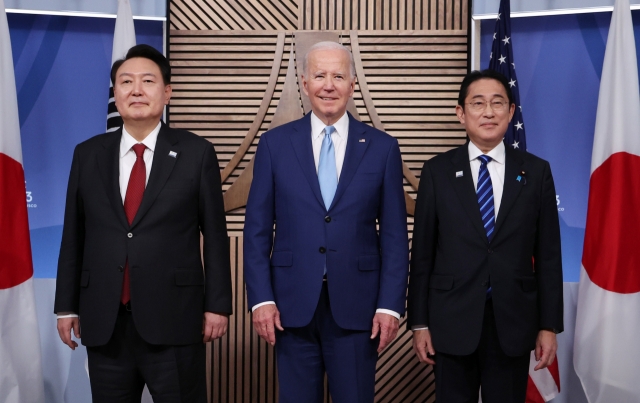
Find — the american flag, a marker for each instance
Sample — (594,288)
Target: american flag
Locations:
(544,384)
(501,60)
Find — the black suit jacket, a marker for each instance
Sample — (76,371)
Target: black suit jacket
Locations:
(452,259)
(170,288)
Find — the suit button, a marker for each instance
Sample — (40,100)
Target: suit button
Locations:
(489,250)
(327,219)
(120,268)
(485,284)
(130,235)
(322,249)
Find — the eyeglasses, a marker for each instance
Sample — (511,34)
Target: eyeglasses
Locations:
(481,106)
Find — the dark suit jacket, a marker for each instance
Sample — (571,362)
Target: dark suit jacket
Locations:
(169,289)
(452,259)
(366,269)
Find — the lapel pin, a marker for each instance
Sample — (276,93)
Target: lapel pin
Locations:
(522,178)
(459,174)
(361,140)
(173,154)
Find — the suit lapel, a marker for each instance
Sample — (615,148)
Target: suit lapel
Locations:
(161,168)
(352,157)
(109,169)
(301,142)
(512,187)
(465,188)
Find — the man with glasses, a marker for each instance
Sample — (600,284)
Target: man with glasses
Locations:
(485,286)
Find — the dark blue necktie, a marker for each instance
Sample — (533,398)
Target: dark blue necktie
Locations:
(485,201)
(485,197)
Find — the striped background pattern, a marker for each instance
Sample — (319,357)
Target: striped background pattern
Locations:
(229,63)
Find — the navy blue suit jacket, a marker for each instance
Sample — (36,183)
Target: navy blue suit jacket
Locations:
(367,268)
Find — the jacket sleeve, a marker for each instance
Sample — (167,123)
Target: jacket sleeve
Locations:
(258,228)
(548,257)
(72,246)
(423,249)
(394,240)
(215,249)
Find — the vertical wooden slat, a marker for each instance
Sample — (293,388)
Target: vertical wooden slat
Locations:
(408,86)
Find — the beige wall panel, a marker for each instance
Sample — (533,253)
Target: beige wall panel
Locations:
(236,74)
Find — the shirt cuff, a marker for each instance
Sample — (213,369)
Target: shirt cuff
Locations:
(256,306)
(419,327)
(389,312)
(69,315)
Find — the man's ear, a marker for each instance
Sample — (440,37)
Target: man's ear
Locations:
(460,113)
(167,93)
(304,85)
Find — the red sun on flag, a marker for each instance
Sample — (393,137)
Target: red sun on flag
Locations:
(15,247)
(611,254)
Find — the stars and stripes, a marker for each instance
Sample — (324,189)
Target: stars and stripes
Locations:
(501,60)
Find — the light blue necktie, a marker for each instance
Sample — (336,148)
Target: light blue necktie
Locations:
(327,172)
(486,203)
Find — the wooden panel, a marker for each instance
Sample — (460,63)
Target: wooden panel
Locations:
(318,14)
(236,74)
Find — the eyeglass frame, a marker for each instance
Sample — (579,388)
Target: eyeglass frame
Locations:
(504,105)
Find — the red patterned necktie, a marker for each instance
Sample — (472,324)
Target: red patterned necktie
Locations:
(132,200)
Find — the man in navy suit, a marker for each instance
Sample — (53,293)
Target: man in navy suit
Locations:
(486,268)
(328,290)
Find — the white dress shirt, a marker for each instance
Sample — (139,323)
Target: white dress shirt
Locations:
(496,172)
(125,165)
(339,138)
(128,156)
(495,168)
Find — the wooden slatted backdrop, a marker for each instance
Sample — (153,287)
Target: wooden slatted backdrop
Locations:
(236,67)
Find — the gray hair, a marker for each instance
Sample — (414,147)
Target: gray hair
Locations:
(329,45)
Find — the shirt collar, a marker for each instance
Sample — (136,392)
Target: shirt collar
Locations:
(127,141)
(317,126)
(497,154)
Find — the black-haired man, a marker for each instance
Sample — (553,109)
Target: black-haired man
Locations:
(130,263)
(486,271)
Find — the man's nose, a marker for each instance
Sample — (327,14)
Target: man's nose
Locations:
(137,87)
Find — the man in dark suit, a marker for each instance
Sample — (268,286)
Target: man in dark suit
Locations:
(130,262)
(486,272)
(330,282)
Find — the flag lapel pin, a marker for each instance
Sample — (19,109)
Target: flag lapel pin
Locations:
(173,154)
(361,140)
(459,174)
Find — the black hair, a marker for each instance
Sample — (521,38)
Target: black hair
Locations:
(479,75)
(148,52)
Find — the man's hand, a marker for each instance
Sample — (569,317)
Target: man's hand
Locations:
(265,320)
(64,330)
(214,325)
(422,345)
(387,326)
(546,346)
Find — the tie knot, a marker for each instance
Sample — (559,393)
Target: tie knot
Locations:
(484,159)
(328,131)
(139,149)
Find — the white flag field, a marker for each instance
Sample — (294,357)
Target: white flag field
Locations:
(606,346)
(124,38)
(20,360)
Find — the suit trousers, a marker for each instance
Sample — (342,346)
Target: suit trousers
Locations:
(304,354)
(119,369)
(501,378)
